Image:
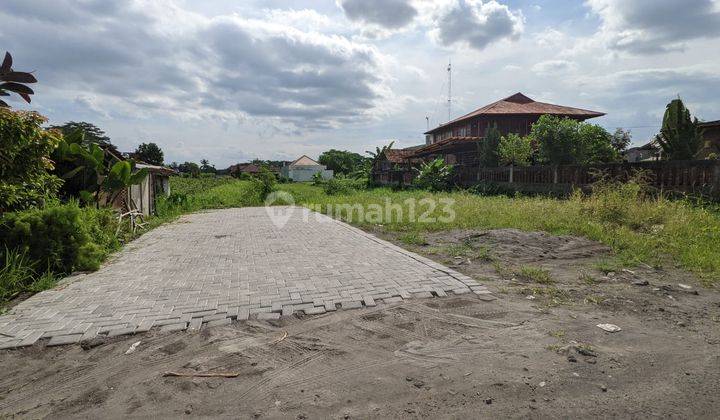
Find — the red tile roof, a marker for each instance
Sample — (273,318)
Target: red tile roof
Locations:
(519,104)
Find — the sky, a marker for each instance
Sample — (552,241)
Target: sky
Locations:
(234,80)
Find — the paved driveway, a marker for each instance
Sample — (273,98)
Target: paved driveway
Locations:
(211,268)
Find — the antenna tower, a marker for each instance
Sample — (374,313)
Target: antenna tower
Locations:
(449,70)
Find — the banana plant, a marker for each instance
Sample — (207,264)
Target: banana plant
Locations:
(111,178)
(14,81)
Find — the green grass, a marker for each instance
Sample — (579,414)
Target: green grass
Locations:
(655,231)
(536,274)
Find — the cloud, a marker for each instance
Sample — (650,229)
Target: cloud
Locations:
(388,14)
(553,66)
(140,56)
(656,26)
(476,23)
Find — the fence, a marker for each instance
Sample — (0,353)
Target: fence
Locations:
(697,177)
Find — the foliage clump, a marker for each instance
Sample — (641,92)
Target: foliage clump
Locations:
(61,238)
(564,141)
(435,175)
(681,137)
(25,165)
(515,150)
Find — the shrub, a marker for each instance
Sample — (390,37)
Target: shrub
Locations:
(342,185)
(16,273)
(264,182)
(317,179)
(25,180)
(434,176)
(62,238)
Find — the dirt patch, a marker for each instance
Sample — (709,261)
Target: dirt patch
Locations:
(459,356)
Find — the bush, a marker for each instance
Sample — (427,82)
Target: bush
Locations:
(434,176)
(264,182)
(61,239)
(25,180)
(342,185)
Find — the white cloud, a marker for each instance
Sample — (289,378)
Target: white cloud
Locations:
(476,23)
(656,26)
(388,14)
(553,66)
(137,61)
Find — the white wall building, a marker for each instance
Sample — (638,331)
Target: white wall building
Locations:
(303,169)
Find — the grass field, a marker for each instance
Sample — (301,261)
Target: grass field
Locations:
(655,231)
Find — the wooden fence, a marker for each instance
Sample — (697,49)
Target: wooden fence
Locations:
(697,177)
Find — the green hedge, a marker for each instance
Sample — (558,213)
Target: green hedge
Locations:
(62,238)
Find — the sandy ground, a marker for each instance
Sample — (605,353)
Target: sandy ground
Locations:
(534,351)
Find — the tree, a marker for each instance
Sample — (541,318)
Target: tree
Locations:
(93,134)
(14,81)
(680,136)
(149,153)
(25,165)
(189,168)
(206,167)
(621,139)
(564,141)
(594,145)
(515,150)
(488,147)
(342,161)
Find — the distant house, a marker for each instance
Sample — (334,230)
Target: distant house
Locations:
(711,135)
(304,169)
(457,140)
(646,152)
(244,168)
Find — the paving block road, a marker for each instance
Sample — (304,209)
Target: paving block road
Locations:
(213,267)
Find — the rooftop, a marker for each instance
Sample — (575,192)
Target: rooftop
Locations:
(519,104)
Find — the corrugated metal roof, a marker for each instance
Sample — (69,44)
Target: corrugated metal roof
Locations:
(519,104)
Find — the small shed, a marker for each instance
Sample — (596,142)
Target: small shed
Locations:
(304,169)
(142,196)
(711,136)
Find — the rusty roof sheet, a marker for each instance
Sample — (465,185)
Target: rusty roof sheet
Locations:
(398,155)
(519,104)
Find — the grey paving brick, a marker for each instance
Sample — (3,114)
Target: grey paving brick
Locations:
(351,304)
(30,339)
(243,314)
(317,310)
(219,322)
(195,324)
(268,315)
(164,280)
(59,340)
